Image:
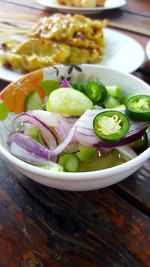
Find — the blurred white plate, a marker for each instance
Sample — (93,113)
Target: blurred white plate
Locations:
(148,49)
(110,4)
(121,53)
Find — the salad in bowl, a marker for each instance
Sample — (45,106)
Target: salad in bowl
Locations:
(76,127)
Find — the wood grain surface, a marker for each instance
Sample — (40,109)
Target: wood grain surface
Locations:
(43,227)
(46,226)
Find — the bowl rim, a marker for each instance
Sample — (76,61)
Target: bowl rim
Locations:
(82,176)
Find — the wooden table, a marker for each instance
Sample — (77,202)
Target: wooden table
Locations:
(43,227)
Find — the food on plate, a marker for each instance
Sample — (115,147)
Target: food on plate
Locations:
(74,30)
(100,2)
(82,3)
(72,129)
(67,39)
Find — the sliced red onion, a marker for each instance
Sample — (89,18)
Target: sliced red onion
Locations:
(54,120)
(134,133)
(84,130)
(63,131)
(70,139)
(36,149)
(65,84)
(86,139)
(127,152)
(32,159)
(26,156)
(49,119)
(28,150)
(47,134)
(72,148)
(71,119)
(29,144)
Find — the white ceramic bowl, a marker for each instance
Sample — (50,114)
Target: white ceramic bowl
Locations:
(87,180)
(148,49)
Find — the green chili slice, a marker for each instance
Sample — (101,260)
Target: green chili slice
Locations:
(96,91)
(138,108)
(78,86)
(111,125)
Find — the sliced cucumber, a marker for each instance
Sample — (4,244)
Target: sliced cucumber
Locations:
(69,162)
(49,168)
(111,102)
(35,134)
(85,153)
(33,101)
(68,101)
(114,91)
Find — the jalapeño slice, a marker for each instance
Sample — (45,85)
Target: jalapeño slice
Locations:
(96,91)
(111,125)
(78,86)
(138,108)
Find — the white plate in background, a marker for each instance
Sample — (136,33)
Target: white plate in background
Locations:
(121,53)
(110,4)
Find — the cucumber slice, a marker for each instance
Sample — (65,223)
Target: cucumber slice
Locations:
(49,168)
(35,134)
(69,162)
(68,101)
(114,91)
(3,111)
(111,102)
(85,153)
(49,86)
(33,101)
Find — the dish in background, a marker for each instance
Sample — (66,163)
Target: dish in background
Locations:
(116,56)
(57,39)
(82,3)
(110,4)
(76,181)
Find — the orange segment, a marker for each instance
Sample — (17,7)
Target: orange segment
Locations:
(15,94)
